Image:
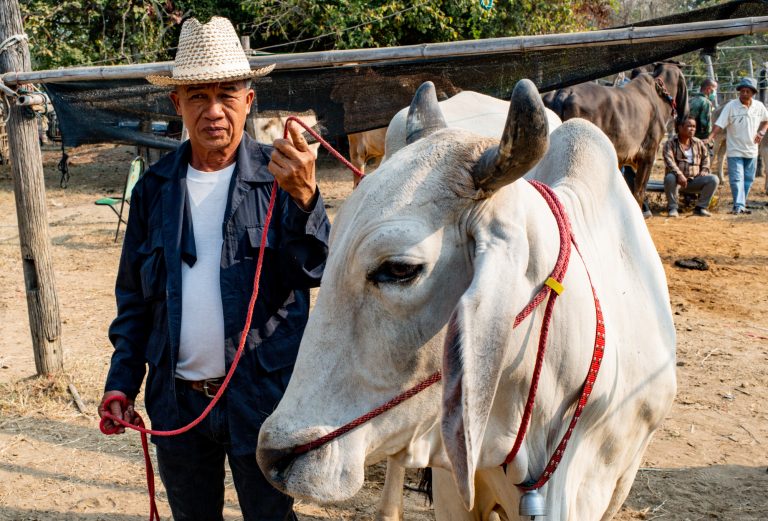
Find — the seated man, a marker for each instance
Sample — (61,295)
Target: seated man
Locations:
(686,160)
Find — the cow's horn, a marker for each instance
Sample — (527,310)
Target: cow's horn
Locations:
(424,114)
(524,142)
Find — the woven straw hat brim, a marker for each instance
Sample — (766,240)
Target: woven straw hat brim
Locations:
(202,78)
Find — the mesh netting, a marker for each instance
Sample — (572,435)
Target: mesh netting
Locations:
(349,99)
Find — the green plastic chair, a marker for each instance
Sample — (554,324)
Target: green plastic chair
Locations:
(134,173)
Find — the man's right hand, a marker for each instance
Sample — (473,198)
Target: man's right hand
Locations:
(116,408)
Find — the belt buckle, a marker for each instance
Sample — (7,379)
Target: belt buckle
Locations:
(208,390)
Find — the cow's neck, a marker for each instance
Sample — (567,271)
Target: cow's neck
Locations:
(564,366)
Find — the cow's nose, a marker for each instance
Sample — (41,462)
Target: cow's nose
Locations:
(275,464)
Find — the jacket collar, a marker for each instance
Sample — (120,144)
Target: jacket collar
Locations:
(175,165)
(250,169)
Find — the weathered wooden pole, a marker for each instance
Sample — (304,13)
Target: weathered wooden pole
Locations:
(29,190)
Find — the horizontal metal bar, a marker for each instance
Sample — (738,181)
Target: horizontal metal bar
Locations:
(622,36)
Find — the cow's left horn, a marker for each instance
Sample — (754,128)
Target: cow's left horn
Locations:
(524,142)
(424,114)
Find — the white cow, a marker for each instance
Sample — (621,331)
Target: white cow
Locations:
(442,247)
(486,116)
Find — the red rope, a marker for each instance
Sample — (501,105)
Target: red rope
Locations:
(327,145)
(153,513)
(558,273)
(416,389)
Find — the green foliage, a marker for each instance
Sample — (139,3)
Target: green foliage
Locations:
(340,24)
(81,32)
(75,32)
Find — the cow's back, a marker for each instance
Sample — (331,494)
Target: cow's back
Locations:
(611,233)
(481,114)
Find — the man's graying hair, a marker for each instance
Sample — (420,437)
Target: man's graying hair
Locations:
(247,83)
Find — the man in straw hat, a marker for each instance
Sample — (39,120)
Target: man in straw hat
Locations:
(186,276)
(745,119)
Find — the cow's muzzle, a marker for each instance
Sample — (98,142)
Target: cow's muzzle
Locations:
(325,474)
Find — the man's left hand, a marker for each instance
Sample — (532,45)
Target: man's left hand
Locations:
(293,165)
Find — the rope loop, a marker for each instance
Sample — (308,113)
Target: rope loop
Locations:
(12,40)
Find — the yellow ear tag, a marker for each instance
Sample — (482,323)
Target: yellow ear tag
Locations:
(556,286)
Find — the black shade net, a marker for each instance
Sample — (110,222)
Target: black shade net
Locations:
(355,98)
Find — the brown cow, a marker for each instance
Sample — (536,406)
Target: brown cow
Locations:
(634,117)
(366,146)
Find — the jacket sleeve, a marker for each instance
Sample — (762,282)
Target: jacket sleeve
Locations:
(705,161)
(669,158)
(706,117)
(130,329)
(304,242)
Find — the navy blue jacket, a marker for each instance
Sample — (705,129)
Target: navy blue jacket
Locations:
(159,238)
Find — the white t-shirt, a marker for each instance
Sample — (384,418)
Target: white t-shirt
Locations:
(688,155)
(201,351)
(741,123)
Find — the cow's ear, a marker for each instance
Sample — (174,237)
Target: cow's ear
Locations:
(475,346)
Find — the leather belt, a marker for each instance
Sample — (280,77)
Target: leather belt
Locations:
(208,387)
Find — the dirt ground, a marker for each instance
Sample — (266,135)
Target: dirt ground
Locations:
(708,461)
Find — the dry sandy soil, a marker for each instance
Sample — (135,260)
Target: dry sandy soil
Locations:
(708,461)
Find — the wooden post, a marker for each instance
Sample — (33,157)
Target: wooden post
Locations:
(29,190)
(711,74)
(245,41)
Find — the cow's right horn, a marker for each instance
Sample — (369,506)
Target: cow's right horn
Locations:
(524,142)
(424,114)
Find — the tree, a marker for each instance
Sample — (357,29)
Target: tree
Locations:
(316,24)
(80,32)
(76,32)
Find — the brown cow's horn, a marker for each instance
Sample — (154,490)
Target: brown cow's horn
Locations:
(524,142)
(424,114)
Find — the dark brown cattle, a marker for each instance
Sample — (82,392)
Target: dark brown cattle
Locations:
(634,117)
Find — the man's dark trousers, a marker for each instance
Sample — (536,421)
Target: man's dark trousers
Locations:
(198,456)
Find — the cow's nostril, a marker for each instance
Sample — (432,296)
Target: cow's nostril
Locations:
(275,464)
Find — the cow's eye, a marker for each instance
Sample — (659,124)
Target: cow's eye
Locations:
(395,272)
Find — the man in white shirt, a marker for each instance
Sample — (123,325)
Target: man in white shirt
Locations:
(187,274)
(746,120)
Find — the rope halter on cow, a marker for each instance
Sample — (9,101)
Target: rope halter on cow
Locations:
(662,91)
(550,290)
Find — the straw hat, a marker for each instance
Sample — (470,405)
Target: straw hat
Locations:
(209,53)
